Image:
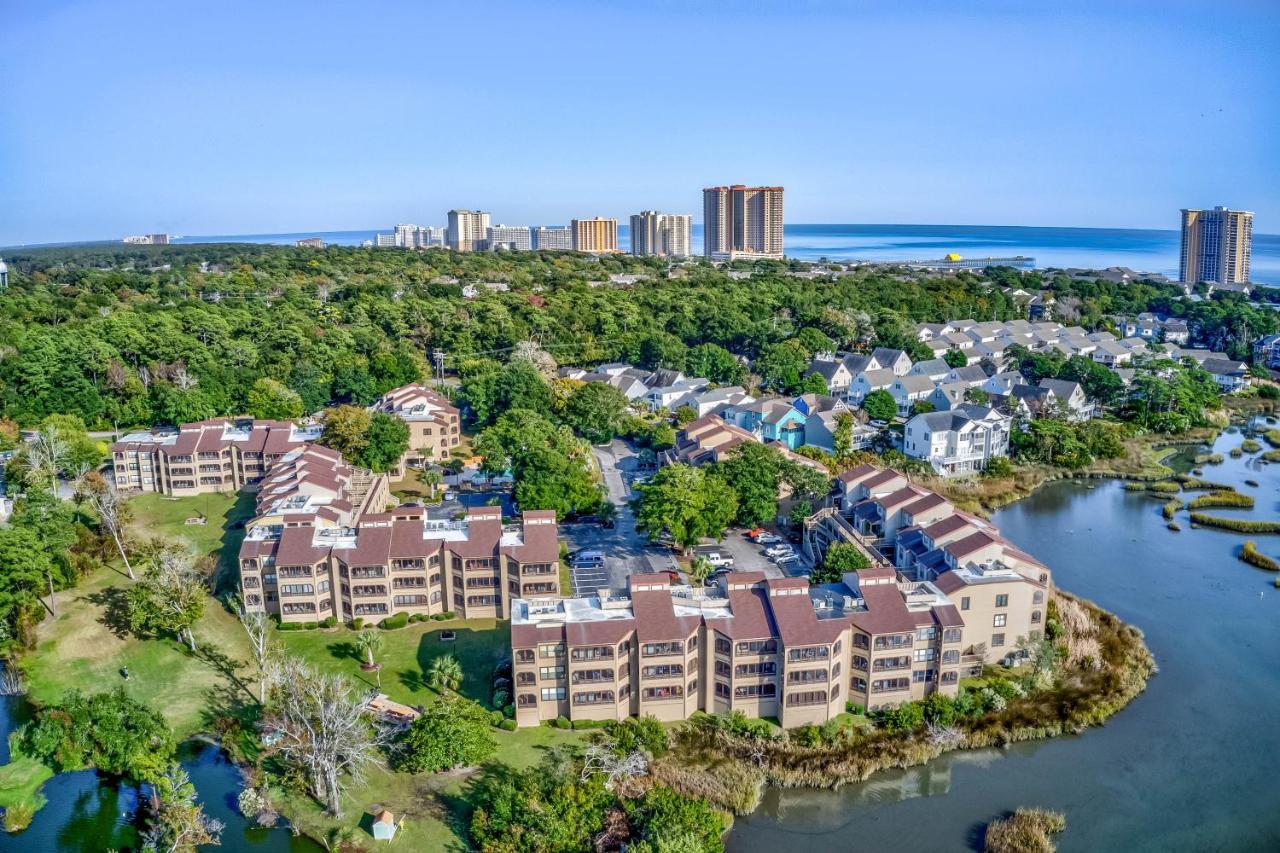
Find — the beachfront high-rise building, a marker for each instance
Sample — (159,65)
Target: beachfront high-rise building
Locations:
(594,235)
(468,230)
(552,237)
(654,233)
(742,222)
(516,237)
(1216,245)
(4,274)
(416,236)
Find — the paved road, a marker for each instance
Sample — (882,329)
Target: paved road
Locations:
(626,550)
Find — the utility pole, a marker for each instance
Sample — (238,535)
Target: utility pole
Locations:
(437,356)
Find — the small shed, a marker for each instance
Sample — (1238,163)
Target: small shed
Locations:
(384,826)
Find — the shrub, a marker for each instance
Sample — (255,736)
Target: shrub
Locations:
(398,620)
(507,725)
(562,723)
(1250,554)
(443,617)
(500,698)
(939,710)
(452,732)
(1025,831)
(509,711)
(329,622)
(1221,499)
(855,709)
(495,718)
(418,617)
(1171,508)
(1239,525)
(357,623)
(639,734)
(1236,453)
(289,626)
(579,725)
(904,718)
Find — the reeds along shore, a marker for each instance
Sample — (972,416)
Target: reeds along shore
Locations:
(1104,667)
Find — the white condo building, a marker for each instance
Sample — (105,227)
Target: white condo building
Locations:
(654,233)
(468,230)
(516,237)
(557,238)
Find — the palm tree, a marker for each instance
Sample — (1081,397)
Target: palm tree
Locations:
(445,673)
(369,641)
(699,570)
(431,477)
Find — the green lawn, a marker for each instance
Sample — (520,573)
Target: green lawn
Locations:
(412,488)
(408,652)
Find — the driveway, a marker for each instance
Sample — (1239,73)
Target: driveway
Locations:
(626,550)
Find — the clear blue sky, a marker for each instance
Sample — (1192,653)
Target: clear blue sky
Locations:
(124,116)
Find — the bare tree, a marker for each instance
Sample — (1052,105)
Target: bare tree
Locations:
(599,759)
(319,725)
(113,512)
(171,595)
(257,626)
(47,454)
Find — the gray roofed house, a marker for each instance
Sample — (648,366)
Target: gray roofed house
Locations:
(962,440)
(970,374)
(935,368)
(1231,375)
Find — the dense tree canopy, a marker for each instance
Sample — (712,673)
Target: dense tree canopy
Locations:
(106,731)
(138,334)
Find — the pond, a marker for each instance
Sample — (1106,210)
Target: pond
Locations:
(90,813)
(1190,765)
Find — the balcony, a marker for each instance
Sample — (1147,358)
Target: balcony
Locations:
(367,573)
(368,591)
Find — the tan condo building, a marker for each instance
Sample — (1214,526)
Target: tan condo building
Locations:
(768,647)
(594,235)
(324,543)
(468,230)
(742,223)
(435,428)
(1217,246)
(221,455)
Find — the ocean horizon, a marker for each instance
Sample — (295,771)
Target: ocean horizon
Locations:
(1144,250)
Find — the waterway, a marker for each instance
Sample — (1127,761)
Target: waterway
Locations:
(88,813)
(1190,765)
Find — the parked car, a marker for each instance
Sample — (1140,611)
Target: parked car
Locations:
(587,559)
(787,560)
(713,555)
(754,533)
(769,539)
(778,551)
(451,495)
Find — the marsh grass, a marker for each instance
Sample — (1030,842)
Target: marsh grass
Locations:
(1024,831)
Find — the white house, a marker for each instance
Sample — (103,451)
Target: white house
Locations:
(949,395)
(960,441)
(970,375)
(907,390)
(1068,398)
(935,368)
(1002,383)
(867,381)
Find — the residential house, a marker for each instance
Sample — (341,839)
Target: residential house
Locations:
(773,419)
(909,390)
(971,375)
(934,368)
(886,358)
(960,441)
(662,397)
(1231,375)
(948,395)
(1001,383)
(1266,351)
(1068,398)
(868,381)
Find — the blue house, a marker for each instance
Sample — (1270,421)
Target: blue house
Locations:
(773,419)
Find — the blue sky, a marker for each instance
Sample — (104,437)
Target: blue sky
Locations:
(241,117)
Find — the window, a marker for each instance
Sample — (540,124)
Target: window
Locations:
(594,697)
(997,640)
(923,655)
(807,676)
(723,668)
(656,649)
(552,694)
(526,679)
(526,700)
(675,691)
(693,642)
(551,651)
(951,635)
(808,653)
(674,670)
(722,690)
(999,621)
(927,633)
(901,662)
(758,647)
(950,678)
(951,656)
(918,676)
(723,646)
(860,641)
(860,684)
(592,653)
(1035,617)
(893,641)
(1037,597)
(888,684)
(1002,601)
(547,673)
(807,697)
(755,691)
(859,662)
(964,603)
(755,669)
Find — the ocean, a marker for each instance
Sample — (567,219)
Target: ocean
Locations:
(1095,248)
